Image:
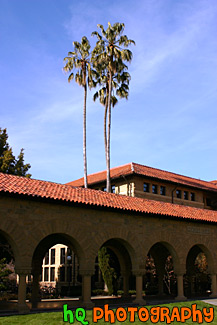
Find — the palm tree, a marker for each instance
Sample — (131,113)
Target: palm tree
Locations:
(79,60)
(120,82)
(108,54)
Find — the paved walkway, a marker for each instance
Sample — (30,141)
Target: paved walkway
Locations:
(211,301)
(52,305)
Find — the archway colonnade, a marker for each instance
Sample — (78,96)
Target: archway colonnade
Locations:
(32,227)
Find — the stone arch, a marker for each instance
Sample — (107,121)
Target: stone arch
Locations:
(199,282)
(195,249)
(14,247)
(66,232)
(16,238)
(161,270)
(171,248)
(130,243)
(52,240)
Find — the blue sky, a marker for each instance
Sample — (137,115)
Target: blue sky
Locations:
(169,120)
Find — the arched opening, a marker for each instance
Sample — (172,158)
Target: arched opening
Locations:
(55,268)
(8,277)
(113,268)
(198,265)
(160,278)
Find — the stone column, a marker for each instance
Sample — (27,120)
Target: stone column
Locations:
(180,288)
(86,288)
(139,286)
(160,284)
(214,287)
(22,306)
(125,276)
(35,289)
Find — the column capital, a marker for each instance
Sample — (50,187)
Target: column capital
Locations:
(86,272)
(22,271)
(139,272)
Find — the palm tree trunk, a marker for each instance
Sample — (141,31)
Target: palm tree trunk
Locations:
(84,137)
(105,126)
(108,134)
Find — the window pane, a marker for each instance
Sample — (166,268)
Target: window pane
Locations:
(52,256)
(113,188)
(46,274)
(154,189)
(185,195)
(208,202)
(192,197)
(178,194)
(52,274)
(146,187)
(163,190)
(46,258)
(62,255)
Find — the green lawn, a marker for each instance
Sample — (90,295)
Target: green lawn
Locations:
(57,317)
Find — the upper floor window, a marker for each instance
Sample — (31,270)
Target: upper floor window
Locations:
(192,196)
(162,190)
(185,195)
(146,187)
(178,194)
(154,189)
(104,189)
(113,188)
(52,255)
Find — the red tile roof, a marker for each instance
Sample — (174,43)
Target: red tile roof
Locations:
(42,189)
(137,169)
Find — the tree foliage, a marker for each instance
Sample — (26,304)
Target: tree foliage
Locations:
(109,57)
(108,273)
(78,61)
(5,271)
(9,164)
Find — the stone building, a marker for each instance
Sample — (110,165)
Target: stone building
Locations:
(160,214)
(138,181)
(154,184)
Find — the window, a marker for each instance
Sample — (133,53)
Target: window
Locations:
(46,258)
(178,194)
(192,196)
(146,187)
(154,189)
(113,188)
(46,269)
(104,189)
(185,195)
(52,256)
(162,190)
(208,202)
(52,274)
(62,255)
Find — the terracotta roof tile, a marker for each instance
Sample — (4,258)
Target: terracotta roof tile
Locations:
(43,189)
(137,169)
